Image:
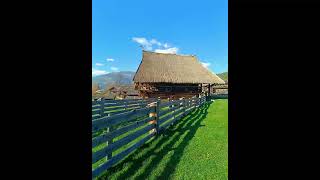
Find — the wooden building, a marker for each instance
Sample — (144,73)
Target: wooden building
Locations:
(220,89)
(172,76)
(121,92)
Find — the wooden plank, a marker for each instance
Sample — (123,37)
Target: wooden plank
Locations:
(101,109)
(162,105)
(119,118)
(178,102)
(95,108)
(95,103)
(105,137)
(115,159)
(163,120)
(157,110)
(163,127)
(114,108)
(123,110)
(176,118)
(95,117)
(118,144)
(169,110)
(137,104)
(131,101)
(126,103)
(163,112)
(178,111)
(119,112)
(119,101)
(96,112)
(110,142)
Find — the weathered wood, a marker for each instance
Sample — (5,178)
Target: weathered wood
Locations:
(125,103)
(95,117)
(124,110)
(96,172)
(176,118)
(162,113)
(177,110)
(110,142)
(119,118)
(166,104)
(96,112)
(94,103)
(157,115)
(96,156)
(101,108)
(122,101)
(166,122)
(166,118)
(163,127)
(220,96)
(118,132)
(153,115)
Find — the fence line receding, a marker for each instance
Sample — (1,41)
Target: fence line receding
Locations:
(121,126)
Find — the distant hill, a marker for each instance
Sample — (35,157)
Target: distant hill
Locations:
(122,77)
(223,76)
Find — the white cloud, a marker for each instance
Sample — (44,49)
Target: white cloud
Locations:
(154,41)
(172,50)
(99,64)
(96,72)
(149,44)
(110,59)
(206,65)
(114,68)
(144,42)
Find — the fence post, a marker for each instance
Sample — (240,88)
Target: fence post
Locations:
(125,105)
(101,108)
(154,115)
(110,141)
(157,115)
(184,104)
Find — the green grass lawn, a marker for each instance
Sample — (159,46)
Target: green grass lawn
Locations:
(195,148)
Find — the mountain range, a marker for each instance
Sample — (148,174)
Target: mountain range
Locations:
(122,77)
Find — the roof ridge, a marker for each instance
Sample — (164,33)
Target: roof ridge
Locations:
(189,55)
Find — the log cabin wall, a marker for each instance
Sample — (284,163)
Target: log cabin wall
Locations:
(167,90)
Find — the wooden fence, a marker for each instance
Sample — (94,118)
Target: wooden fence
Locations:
(103,108)
(219,96)
(117,134)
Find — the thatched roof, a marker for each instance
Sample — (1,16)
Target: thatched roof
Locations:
(173,68)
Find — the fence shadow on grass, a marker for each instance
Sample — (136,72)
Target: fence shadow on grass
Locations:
(183,132)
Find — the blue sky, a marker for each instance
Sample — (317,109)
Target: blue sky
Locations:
(120,28)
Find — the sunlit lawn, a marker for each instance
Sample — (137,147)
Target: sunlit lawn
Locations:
(195,148)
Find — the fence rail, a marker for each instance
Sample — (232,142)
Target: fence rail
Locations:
(219,96)
(110,107)
(118,133)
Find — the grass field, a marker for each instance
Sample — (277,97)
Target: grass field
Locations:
(195,148)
